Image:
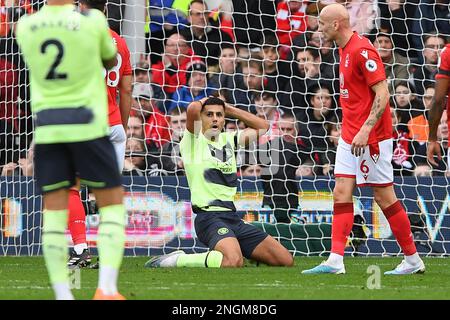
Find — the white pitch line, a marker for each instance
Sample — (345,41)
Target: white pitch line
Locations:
(27,287)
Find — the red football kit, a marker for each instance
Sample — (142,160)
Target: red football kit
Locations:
(360,68)
(113,76)
(170,78)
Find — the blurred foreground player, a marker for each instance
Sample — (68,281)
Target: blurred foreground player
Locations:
(65,50)
(118,78)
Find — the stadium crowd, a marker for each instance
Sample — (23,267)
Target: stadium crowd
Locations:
(288,76)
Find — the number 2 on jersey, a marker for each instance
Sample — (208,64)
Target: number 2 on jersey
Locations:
(52,73)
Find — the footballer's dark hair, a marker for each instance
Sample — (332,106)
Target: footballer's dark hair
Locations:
(95,4)
(213,101)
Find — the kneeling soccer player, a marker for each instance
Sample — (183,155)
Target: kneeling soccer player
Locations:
(209,159)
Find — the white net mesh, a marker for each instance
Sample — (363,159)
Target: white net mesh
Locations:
(266,57)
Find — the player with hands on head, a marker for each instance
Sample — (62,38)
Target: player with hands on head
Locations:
(208,155)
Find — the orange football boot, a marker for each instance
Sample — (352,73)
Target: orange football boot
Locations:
(99,295)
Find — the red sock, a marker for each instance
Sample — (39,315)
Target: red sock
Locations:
(401,227)
(341,227)
(77,218)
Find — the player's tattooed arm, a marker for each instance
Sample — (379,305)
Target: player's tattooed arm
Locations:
(375,113)
(379,104)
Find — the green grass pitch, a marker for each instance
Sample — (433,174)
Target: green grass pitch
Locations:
(26,278)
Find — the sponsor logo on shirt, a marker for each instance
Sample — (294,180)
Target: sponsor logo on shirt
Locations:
(371,65)
(341,80)
(344,92)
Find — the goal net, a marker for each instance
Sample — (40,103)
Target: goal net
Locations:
(266,57)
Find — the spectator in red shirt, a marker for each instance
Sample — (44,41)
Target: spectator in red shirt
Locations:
(312,24)
(170,72)
(224,18)
(156,126)
(291,20)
